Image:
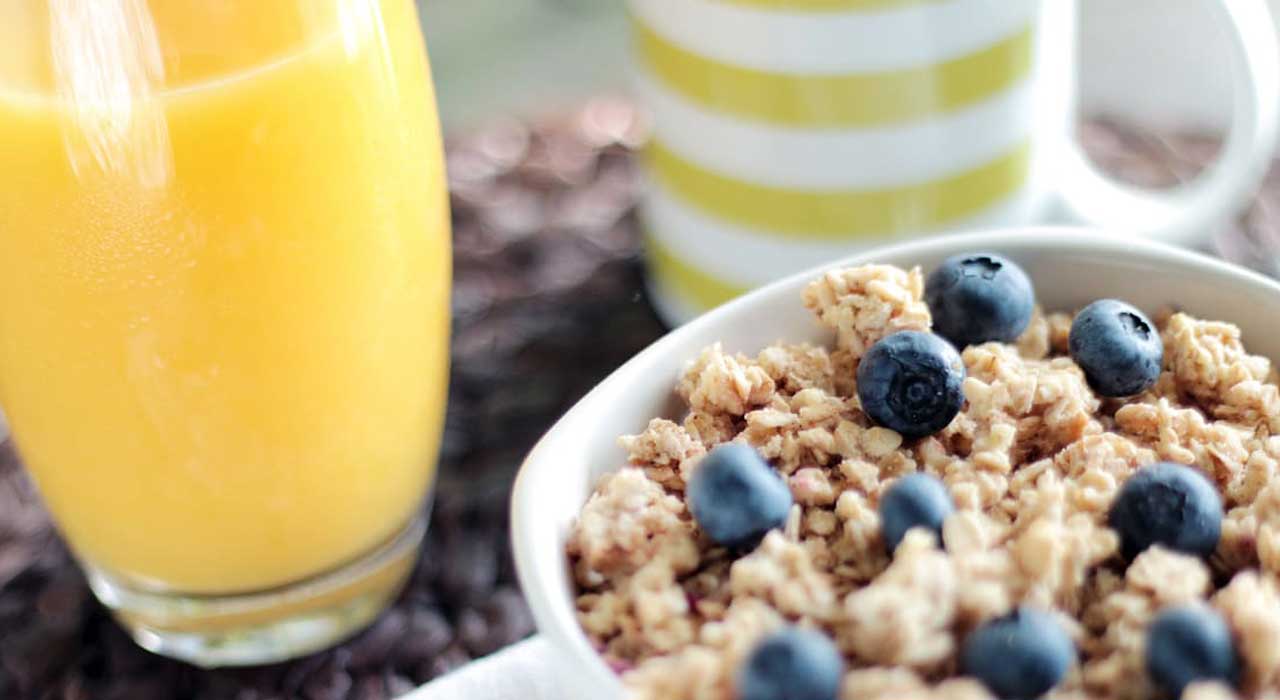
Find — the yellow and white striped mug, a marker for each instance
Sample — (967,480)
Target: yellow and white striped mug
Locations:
(790,132)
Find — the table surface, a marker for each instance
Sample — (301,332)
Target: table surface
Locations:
(548,298)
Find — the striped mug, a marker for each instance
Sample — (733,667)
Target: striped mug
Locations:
(790,132)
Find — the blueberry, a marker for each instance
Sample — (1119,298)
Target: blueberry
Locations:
(794,664)
(978,297)
(910,382)
(915,500)
(1169,505)
(736,497)
(1117,346)
(1021,655)
(1189,644)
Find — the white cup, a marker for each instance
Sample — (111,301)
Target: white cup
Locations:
(792,132)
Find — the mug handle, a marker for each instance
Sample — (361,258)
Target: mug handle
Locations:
(1186,214)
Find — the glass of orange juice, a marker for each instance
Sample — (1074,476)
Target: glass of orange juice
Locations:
(224,288)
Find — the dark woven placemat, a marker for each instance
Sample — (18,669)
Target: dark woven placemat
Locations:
(548,299)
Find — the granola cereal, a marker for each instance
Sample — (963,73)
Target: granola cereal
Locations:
(1033,463)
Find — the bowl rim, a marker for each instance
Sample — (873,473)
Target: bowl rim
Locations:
(557,620)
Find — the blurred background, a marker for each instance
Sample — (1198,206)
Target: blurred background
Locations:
(523,56)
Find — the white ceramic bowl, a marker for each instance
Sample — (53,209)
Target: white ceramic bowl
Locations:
(1069,267)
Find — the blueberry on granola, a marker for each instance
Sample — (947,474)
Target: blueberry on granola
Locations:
(1117,346)
(910,382)
(979,297)
(736,497)
(1019,656)
(1188,644)
(1170,505)
(915,500)
(794,664)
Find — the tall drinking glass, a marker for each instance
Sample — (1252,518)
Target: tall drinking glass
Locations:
(224,283)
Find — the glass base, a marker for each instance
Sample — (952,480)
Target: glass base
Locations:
(260,628)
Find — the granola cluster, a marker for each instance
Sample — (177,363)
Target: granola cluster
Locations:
(1032,463)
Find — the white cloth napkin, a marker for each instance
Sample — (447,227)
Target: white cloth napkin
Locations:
(522,671)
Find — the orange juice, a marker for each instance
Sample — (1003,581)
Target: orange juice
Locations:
(224,279)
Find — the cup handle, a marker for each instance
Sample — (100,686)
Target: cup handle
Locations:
(1186,214)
